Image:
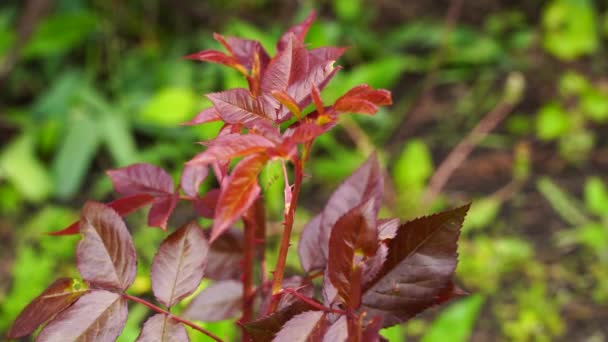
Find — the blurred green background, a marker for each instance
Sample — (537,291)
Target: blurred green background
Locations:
(92,85)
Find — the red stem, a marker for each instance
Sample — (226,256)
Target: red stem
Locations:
(179,319)
(279,270)
(313,303)
(248,255)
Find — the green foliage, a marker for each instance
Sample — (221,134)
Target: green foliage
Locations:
(570,28)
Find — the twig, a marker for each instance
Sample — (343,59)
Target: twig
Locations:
(513,90)
(179,319)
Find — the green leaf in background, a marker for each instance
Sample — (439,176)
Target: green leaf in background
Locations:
(456,322)
(552,122)
(59,33)
(570,28)
(74,157)
(413,167)
(565,205)
(22,168)
(170,106)
(482,213)
(594,105)
(573,83)
(7,36)
(596,196)
(118,138)
(374,73)
(347,9)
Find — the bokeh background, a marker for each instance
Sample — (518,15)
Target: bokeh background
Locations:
(92,85)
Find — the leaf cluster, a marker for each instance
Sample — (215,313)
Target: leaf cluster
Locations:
(376,272)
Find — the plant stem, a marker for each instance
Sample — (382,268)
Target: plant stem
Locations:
(179,319)
(313,303)
(247,265)
(279,270)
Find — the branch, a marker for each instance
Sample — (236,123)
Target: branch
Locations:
(512,95)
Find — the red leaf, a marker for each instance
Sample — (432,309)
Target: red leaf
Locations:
(299,31)
(105,255)
(387,228)
(338,331)
(315,93)
(309,252)
(192,177)
(418,269)
(365,183)
(325,54)
(220,301)
(232,146)
(205,206)
(371,333)
(56,298)
(123,206)
(225,255)
(238,193)
(264,329)
(373,265)
(161,328)
(219,57)
(287,67)
(363,99)
(207,115)
(179,264)
(142,179)
(288,102)
(305,132)
(245,50)
(97,316)
(237,106)
(308,326)
(353,236)
(161,210)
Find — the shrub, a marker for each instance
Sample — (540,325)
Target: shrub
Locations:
(375,272)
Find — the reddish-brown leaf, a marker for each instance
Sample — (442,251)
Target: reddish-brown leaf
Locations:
(305,132)
(161,209)
(56,298)
(371,333)
(245,51)
(353,237)
(239,191)
(237,106)
(221,300)
(365,183)
(387,228)
(219,57)
(363,99)
(97,316)
(105,255)
(323,55)
(309,326)
(299,31)
(192,177)
(141,179)
(288,102)
(419,267)
(231,146)
(161,328)
(311,257)
(338,331)
(123,206)
(287,67)
(264,329)
(225,255)
(179,264)
(205,116)
(205,205)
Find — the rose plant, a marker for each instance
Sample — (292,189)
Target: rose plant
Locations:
(375,272)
